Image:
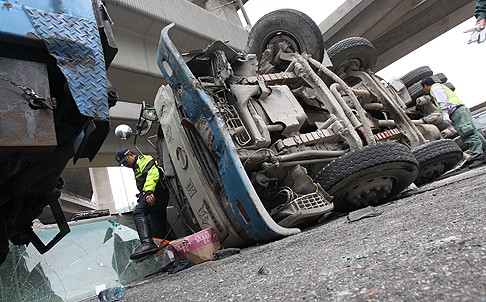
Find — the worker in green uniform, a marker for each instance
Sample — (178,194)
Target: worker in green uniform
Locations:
(153,199)
(456,114)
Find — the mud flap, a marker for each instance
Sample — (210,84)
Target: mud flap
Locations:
(61,223)
(89,141)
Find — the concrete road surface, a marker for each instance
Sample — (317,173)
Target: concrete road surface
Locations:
(430,246)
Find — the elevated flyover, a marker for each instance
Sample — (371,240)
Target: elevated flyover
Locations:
(137,26)
(394,27)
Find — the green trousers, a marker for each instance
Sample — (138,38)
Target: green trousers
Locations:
(462,121)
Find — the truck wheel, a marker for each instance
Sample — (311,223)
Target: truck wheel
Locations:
(415,91)
(368,176)
(441,77)
(355,50)
(435,158)
(289,25)
(416,75)
(450,86)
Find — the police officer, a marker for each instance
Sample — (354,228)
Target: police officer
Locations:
(456,114)
(153,200)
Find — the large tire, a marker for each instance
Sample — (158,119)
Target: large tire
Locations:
(450,86)
(435,158)
(289,25)
(353,50)
(416,75)
(415,91)
(441,77)
(368,176)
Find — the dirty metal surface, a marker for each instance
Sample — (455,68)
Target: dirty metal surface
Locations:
(76,45)
(250,213)
(20,125)
(275,78)
(322,135)
(389,134)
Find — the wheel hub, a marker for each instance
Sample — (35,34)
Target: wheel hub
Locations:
(371,190)
(284,37)
(431,171)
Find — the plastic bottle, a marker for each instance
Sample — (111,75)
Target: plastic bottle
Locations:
(112,294)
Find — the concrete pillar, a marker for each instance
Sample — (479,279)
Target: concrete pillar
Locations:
(102,193)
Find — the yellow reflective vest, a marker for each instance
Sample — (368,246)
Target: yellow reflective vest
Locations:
(146,173)
(451,96)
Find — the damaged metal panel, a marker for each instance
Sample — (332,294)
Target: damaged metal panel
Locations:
(22,128)
(76,45)
(242,197)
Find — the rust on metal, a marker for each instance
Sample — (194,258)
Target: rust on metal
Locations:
(243,212)
(323,135)
(275,78)
(389,134)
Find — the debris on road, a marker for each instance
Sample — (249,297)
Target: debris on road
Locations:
(363,213)
(224,253)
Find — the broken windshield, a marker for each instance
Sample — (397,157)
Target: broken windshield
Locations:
(93,254)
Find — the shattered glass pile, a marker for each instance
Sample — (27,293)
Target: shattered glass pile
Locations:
(91,255)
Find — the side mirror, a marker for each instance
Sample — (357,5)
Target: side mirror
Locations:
(143,127)
(147,116)
(149,113)
(123,132)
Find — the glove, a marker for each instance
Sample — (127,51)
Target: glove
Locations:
(478,35)
(482,35)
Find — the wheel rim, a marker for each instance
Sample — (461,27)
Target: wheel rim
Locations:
(281,36)
(358,63)
(363,188)
(430,172)
(364,193)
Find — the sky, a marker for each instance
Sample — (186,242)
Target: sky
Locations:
(448,54)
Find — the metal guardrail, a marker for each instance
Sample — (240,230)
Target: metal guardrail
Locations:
(478,108)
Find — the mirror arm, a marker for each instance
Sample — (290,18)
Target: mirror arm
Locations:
(139,128)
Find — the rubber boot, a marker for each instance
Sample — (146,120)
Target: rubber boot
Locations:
(148,246)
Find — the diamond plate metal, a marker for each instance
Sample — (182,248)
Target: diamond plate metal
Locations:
(76,45)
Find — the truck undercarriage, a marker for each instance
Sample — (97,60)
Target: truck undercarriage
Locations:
(260,143)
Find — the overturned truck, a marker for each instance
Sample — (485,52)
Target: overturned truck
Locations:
(261,143)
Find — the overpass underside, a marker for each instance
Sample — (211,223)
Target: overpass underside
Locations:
(137,25)
(395,27)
